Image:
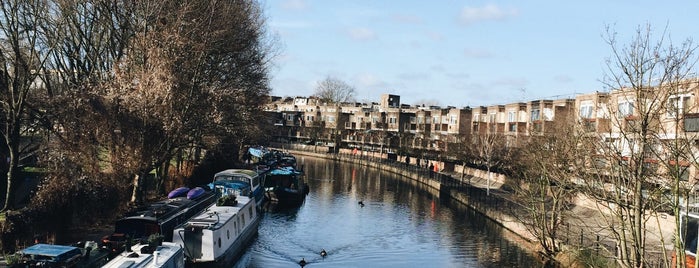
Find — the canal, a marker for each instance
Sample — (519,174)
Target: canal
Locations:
(400,225)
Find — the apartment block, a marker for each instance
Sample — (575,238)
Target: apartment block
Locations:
(614,117)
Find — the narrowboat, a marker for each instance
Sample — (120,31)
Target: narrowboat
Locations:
(160,217)
(285,186)
(220,233)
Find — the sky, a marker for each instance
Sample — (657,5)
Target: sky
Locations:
(460,53)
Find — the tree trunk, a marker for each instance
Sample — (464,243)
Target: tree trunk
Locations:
(487,184)
(12,167)
(10,189)
(137,193)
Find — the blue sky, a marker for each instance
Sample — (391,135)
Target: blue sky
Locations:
(459,53)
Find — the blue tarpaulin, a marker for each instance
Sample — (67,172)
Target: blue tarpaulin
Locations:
(47,250)
(258,152)
(284,171)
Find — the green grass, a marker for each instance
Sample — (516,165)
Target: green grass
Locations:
(34,170)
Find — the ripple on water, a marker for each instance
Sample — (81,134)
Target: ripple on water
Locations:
(399,226)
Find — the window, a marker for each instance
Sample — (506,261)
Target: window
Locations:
(678,105)
(331,119)
(625,109)
(548,114)
(536,114)
(491,118)
(511,116)
(392,120)
(585,110)
(690,237)
(452,120)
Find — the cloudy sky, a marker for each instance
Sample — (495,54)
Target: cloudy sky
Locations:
(460,53)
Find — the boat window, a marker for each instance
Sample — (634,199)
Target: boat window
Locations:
(250,211)
(242,216)
(219,242)
(691,234)
(228,234)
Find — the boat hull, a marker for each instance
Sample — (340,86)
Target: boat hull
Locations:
(233,253)
(285,196)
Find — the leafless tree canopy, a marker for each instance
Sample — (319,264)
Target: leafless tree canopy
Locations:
(333,90)
(114,89)
(627,174)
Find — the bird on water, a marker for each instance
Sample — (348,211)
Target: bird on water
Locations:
(361,203)
(323,253)
(302,262)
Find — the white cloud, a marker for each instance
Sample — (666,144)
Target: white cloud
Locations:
(471,15)
(297,5)
(371,81)
(362,34)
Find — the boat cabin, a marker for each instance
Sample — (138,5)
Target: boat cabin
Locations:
(239,182)
(165,255)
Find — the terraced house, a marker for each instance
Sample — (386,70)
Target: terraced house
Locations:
(654,127)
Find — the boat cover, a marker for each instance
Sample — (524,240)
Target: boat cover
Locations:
(284,171)
(47,250)
(258,152)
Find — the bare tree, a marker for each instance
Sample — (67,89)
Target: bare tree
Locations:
(623,180)
(490,150)
(545,188)
(22,57)
(333,90)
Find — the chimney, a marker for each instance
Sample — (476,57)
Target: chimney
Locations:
(155,257)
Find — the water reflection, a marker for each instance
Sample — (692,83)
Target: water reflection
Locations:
(400,225)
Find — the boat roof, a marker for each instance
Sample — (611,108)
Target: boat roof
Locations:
(136,259)
(164,209)
(230,184)
(48,250)
(208,218)
(237,172)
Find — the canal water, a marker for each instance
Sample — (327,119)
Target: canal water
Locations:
(400,225)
